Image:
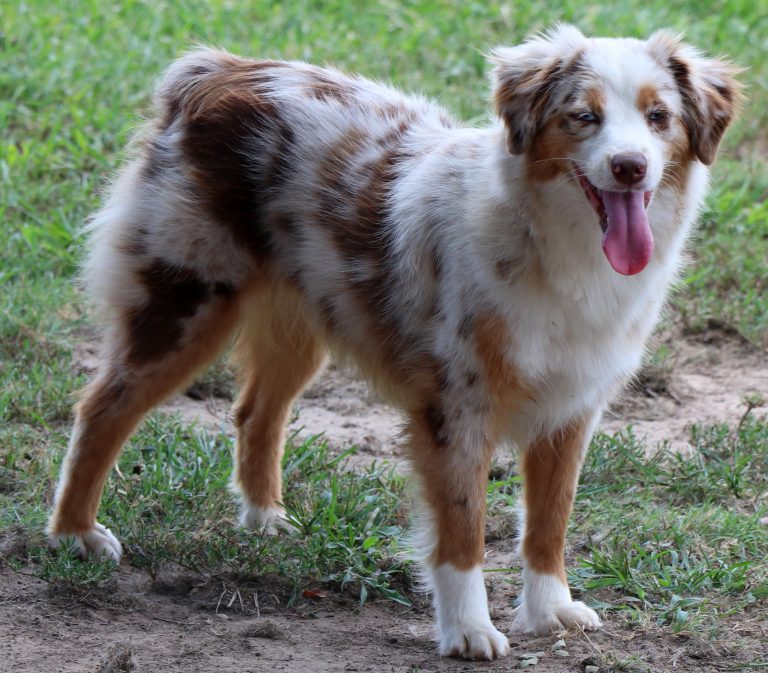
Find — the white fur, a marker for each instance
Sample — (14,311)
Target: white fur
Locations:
(546,606)
(99,541)
(461,607)
(267,520)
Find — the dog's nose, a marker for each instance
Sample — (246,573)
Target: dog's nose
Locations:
(629,168)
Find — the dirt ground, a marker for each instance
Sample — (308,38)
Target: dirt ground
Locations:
(194,624)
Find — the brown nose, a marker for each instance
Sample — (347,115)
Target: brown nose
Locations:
(629,168)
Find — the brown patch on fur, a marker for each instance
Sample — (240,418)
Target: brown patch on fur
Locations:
(708,110)
(522,98)
(678,166)
(175,293)
(647,97)
(548,156)
(113,404)
(648,100)
(332,170)
(550,470)
(224,115)
(324,88)
(199,91)
(226,185)
(594,97)
(353,207)
(492,341)
(503,268)
(278,354)
(454,480)
(505,388)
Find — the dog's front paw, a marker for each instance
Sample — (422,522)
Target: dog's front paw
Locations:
(546,606)
(543,620)
(473,641)
(98,541)
(267,520)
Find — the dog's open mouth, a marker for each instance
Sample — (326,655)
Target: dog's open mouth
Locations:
(627,237)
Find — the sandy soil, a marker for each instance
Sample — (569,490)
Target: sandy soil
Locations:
(182,622)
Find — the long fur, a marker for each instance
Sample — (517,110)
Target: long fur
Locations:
(460,269)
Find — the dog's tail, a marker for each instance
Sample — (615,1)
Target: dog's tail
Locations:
(194,82)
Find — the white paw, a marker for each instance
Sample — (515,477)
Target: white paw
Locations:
(463,625)
(473,641)
(546,606)
(541,622)
(98,542)
(267,520)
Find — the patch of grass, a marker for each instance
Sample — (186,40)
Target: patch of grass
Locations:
(677,537)
(169,502)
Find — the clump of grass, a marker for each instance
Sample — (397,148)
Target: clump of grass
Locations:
(170,502)
(677,536)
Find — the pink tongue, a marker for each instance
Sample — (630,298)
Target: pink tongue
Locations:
(627,242)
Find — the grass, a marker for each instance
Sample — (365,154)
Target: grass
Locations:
(667,538)
(170,503)
(677,537)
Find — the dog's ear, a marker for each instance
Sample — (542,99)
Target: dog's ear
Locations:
(710,91)
(525,79)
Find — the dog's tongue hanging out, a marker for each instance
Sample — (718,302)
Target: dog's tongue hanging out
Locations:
(627,241)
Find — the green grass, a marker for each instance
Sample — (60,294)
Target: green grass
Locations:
(677,537)
(170,503)
(664,538)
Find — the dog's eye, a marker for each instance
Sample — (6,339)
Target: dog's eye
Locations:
(658,116)
(586,117)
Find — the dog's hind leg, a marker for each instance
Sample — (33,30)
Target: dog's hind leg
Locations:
(278,354)
(181,323)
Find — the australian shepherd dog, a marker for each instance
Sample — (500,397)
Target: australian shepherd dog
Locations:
(496,284)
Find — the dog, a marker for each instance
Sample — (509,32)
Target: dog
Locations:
(497,284)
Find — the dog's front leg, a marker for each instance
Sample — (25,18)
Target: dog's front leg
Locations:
(550,468)
(454,478)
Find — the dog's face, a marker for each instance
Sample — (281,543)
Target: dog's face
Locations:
(620,117)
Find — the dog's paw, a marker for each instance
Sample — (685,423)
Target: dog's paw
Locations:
(269,520)
(99,542)
(473,641)
(541,621)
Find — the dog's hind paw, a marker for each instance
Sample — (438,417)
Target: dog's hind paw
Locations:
(98,541)
(269,520)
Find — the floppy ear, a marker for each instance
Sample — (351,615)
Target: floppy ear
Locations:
(708,86)
(525,79)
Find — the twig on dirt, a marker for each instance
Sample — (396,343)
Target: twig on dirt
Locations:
(594,647)
(256,603)
(236,594)
(751,665)
(223,593)
(169,621)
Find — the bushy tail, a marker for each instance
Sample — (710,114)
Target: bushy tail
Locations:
(193,82)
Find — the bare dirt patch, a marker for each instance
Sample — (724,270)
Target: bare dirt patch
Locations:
(134,628)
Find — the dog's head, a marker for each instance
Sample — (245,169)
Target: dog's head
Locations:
(620,117)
